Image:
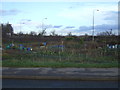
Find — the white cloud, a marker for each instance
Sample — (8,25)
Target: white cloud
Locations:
(9,12)
(26,27)
(79,15)
(84,15)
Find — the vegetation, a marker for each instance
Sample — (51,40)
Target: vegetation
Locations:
(60,51)
(54,64)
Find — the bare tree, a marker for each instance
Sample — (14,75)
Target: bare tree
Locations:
(106,33)
(20,33)
(69,34)
(33,33)
(42,33)
(53,33)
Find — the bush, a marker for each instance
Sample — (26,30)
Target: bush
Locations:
(69,38)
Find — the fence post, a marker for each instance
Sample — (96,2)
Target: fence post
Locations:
(59,54)
(62,46)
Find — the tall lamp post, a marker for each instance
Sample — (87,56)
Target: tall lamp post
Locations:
(93,24)
(42,22)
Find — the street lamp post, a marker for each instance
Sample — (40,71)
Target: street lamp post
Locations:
(93,24)
(42,22)
(24,22)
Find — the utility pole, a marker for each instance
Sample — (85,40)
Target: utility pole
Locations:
(93,25)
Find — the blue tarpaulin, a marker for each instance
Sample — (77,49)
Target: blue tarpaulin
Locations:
(57,46)
(44,43)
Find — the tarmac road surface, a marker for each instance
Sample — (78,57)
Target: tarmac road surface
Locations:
(109,74)
(21,83)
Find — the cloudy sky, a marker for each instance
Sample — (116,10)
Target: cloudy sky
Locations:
(63,17)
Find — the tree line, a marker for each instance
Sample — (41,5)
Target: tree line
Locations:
(8,31)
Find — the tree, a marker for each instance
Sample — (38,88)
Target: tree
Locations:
(86,35)
(20,33)
(53,33)
(42,33)
(69,34)
(33,33)
(7,30)
(106,33)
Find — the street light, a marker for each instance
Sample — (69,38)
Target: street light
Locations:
(42,22)
(93,23)
(24,23)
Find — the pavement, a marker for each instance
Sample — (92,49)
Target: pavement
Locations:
(61,73)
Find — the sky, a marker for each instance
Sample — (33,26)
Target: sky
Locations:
(61,17)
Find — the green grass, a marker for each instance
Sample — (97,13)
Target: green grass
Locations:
(17,58)
(29,63)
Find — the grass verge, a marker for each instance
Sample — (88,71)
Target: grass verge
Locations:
(55,64)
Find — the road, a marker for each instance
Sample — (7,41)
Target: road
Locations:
(19,83)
